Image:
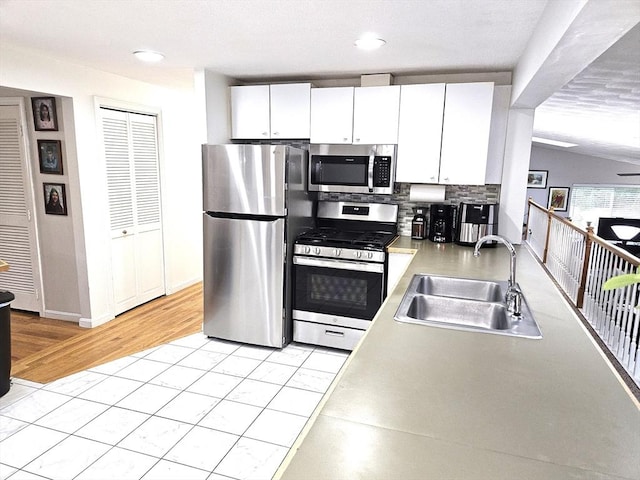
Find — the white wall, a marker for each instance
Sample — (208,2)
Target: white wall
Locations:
(180,169)
(566,169)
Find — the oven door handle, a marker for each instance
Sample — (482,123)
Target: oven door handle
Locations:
(339,264)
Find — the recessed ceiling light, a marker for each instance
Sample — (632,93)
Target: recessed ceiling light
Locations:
(148,55)
(555,143)
(369,42)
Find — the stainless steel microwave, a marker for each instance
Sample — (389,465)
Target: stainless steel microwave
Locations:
(352,168)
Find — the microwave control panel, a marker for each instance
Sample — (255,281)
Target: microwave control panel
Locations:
(382,171)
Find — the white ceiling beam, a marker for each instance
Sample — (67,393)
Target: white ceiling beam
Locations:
(569,36)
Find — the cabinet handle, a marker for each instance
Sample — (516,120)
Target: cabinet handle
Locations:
(432,178)
(124,232)
(265,134)
(275,134)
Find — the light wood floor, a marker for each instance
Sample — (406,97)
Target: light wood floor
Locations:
(44,350)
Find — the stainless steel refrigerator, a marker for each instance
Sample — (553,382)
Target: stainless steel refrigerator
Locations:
(255,203)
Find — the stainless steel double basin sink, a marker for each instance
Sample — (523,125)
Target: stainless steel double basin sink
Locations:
(464,304)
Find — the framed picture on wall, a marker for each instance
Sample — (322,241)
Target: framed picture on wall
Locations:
(50,155)
(55,198)
(44,114)
(558,198)
(537,179)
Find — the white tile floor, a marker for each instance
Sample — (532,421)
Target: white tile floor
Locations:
(196,408)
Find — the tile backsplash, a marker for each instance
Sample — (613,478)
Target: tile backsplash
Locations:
(454,194)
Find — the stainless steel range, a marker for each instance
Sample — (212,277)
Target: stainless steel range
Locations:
(340,272)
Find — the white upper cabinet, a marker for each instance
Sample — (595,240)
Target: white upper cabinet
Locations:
(375,114)
(290,110)
(332,115)
(270,111)
(420,133)
(465,133)
(250,112)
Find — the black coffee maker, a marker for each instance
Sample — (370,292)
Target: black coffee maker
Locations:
(442,221)
(419,224)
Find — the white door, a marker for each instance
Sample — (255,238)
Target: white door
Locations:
(133,181)
(18,241)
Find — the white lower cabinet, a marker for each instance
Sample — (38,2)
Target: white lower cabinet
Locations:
(398,263)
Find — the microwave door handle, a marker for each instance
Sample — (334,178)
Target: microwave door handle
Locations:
(372,161)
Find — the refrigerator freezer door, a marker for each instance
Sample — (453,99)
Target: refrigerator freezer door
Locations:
(244,269)
(244,179)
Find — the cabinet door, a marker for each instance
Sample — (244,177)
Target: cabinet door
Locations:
(375,114)
(465,133)
(290,110)
(332,115)
(420,133)
(250,112)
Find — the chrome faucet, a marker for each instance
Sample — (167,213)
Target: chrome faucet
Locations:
(513,297)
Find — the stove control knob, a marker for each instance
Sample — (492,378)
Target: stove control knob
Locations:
(369,254)
(358,254)
(316,250)
(336,252)
(307,249)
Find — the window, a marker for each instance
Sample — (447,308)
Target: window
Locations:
(590,202)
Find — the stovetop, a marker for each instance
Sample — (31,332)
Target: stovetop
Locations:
(332,237)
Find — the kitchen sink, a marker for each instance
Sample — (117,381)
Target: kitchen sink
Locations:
(459,288)
(464,304)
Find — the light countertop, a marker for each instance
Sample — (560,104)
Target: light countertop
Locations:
(417,402)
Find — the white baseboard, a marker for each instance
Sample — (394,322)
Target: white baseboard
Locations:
(181,286)
(95,322)
(66,316)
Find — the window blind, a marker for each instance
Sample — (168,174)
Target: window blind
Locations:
(590,202)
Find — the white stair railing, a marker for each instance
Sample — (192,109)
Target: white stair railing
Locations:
(580,262)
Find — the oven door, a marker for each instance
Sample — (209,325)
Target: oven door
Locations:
(337,291)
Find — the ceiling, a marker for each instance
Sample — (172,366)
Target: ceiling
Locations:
(274,40)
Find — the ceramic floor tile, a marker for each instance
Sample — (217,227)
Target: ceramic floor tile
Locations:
(111,390)
(202,448)
(72,415)
(146,352)
(313,380)
(272,373)
(15,393)
(220,346)
(231,417)
(119,464)
(293,400)
(148,398)
(188,407)
(6,471)
(68,458)
(27,444)
(215,384)
(195,340)
(9,426)
(25,382)
(142,370)
(238,366)
(113,425)
(203,359)
(252,459)
(251,351)
(34,406)
(290,355)
(276,427)
(156,436)
(169,354)
(112,367)
(324,362)
(177,377)
(75,384)
(254,392)
(164,470)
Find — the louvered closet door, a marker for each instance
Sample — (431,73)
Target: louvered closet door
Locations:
(17,231)
(130,142)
